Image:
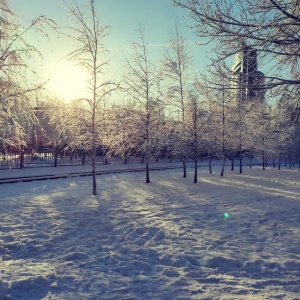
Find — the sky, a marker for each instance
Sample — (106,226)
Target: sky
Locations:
(157,16)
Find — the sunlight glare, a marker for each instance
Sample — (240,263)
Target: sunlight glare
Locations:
(68,81)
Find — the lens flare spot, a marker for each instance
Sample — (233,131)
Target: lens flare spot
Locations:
(226,215)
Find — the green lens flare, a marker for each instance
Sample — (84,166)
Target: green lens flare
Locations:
(226,215)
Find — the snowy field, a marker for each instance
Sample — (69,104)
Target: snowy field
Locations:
(236,237)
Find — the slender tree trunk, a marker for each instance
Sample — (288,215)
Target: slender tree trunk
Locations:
(196,171)
(22,164)
(223,167)
(279,161)
(263,161)
(94,173)
(184,168)
(147,172)
(209,165)
(274,162)
(32,156)
(223,133)
(232,164)
(250,162)
(83,158)
(55,156)
(241,165)
(285,161)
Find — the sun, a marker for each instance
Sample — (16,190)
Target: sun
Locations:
(68,81)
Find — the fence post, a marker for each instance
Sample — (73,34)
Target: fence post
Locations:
(22,157)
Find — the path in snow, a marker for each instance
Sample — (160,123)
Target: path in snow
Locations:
(164,240)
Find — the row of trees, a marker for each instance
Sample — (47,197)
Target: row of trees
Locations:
(166,109)
(212,127)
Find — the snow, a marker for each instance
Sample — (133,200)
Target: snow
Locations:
(169,239)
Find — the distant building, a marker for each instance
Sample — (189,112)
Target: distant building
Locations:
(247,80)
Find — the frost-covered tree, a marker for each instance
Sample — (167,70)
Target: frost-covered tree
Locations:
(177,64)
(123,134)
(16,89)
(64,117)
(239,136)
(224,110)
(219,115)
(281,134)
(194,129)
(259,128)
(141,84)
(88,121)
(211,136)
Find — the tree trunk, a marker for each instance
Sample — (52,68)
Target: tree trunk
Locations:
(94,174)
(83,158)
(22,157)
(209,165)
(250,162)
(285,161)
(232,164)
(55,156)
(184,168)
(147,172)
(241,165)
(32,156)
(196,171)
(223,167)
(279,162)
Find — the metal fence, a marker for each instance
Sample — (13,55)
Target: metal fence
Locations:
(29,159)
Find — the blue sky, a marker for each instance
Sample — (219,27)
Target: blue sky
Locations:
(157,16)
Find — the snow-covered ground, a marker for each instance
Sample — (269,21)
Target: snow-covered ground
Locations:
(236,237)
